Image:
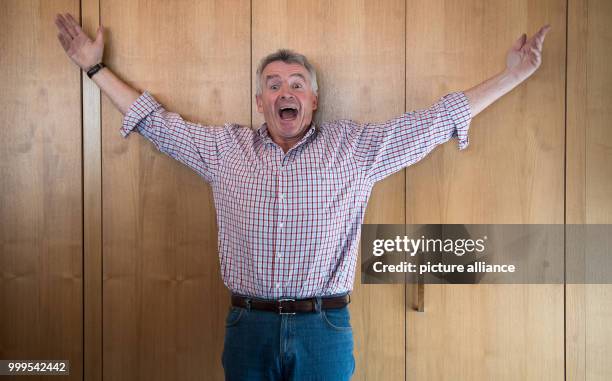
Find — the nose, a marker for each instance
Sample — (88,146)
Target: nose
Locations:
(286,92)
(287,95)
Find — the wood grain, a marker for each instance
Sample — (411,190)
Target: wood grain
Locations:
(108,248)
(589,180)
(164,300)
(92,209)
(512,172)
(41,237)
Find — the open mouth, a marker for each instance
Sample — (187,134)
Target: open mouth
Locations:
(288,112)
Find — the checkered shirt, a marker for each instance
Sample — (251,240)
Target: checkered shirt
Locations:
(289,223)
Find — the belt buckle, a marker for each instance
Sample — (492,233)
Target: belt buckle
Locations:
(280,307)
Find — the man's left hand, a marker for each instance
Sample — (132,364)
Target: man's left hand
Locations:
(525,56)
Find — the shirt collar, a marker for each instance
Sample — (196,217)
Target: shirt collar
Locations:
(263,131)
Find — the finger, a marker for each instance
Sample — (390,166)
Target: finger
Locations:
(543,30)
(71,18)
(518,44)
(74,23)
(533,41)
(59,21)
(70,25)
(528,44)
(64,41)
(539,41)
(546,29)
(63,24)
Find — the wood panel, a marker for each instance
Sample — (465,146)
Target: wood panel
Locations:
(358,50)
(164,301)
(92,210)
(589,179)
(41,235)
(512,172)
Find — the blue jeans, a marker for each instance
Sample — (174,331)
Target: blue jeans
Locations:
(265,345)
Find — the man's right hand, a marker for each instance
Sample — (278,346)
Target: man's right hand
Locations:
(80,48)
(86,53)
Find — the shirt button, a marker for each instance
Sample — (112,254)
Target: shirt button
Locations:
(281,225)
(280,255)
(281,196)
(278,285)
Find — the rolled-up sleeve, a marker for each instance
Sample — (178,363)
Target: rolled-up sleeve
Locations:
(382,149)
(197,146)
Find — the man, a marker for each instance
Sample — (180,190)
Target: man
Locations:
(290,198)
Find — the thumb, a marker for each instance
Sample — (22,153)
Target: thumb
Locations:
(100,35)
(518,44)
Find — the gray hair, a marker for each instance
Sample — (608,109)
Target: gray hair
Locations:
(286,56)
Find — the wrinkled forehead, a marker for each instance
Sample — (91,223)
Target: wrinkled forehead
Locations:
(276,77)
(282,70)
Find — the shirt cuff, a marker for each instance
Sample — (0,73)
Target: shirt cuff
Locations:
(458,106)
(143,106)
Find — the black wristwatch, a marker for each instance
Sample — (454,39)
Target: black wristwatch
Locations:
(94,69)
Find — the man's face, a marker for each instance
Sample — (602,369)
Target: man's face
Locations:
(287,101)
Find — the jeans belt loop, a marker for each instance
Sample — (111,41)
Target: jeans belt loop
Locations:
(248,304)
(318,304)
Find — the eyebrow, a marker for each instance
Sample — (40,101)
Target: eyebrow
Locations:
(274,76)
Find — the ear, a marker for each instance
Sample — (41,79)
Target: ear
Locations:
(315,102)
(259,104)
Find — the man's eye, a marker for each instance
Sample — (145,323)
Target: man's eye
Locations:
(274,87)
(297,85)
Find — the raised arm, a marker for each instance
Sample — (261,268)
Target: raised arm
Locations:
(382,149)
(85,53)
(522,60)
(198,147)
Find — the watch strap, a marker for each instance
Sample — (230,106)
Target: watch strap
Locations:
(94,69)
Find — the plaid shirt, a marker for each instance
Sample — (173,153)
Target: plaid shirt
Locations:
(289,223)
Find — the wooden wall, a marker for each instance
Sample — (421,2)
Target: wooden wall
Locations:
(108,247)
(512,173)
(589,179)
(41,206)
(164,301)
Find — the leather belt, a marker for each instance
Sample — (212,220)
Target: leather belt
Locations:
(290,306)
